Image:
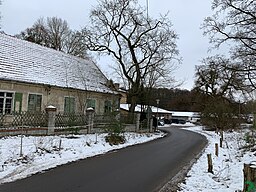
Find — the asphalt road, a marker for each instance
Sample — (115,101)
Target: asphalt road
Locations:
(141,168)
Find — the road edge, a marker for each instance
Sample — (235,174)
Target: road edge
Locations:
(173,184)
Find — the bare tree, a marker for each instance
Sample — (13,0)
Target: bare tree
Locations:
(138,44)
(74,44)
(37,33)
(219,77)
(234,22)
(220,82)
(55,33)
(58,30)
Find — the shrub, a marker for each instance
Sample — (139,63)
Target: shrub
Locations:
(221,114)
(115,129)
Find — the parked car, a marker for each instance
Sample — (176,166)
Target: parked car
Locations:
(178,121)
(167,121)
(182,121)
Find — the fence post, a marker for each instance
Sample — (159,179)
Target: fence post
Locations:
(216,149)
(90,112)
(210,166)
(137,126)
(51,111)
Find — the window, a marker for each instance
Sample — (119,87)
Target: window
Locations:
(69,105)
(90,103)
(17,107)
(108,106)
(116,104)
(6,102)
(34,102)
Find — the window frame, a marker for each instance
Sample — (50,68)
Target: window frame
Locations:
(74,107)
(35,107)
(5,97)
(91,103)
(108,106)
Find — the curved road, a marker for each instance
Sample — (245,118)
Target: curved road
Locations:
(141,168)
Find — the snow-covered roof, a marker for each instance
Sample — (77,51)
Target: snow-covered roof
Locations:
(182,114)
(28,62)
(138,108)
(154,109)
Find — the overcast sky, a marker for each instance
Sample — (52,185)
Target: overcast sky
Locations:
(186,16)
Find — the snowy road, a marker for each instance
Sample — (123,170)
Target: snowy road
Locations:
(145,167)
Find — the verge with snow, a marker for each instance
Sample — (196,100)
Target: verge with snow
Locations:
(227,167)
(42,153)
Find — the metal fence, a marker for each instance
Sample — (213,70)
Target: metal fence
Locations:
(64,121)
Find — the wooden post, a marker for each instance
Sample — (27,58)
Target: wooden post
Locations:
(216,149)
(221,135)
(249,177)
(210,166)
(221,138)
(60,145)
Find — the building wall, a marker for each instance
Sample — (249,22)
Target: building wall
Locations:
(55,96)
(123,98)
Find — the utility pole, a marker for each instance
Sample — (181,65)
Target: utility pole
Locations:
(147,8)
(157,116)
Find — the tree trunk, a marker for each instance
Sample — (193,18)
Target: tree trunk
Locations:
(133,103)
(133,95)
(249,177)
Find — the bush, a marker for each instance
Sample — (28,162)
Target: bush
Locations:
(219,113)
(113,139)
(115,129)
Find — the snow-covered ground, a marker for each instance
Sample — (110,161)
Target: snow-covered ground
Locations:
(227,167)
(42,153)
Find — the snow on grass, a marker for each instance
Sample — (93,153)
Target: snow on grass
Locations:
(227,167)
(42,153)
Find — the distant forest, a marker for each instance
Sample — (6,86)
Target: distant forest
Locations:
(194,101)
(172,99)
